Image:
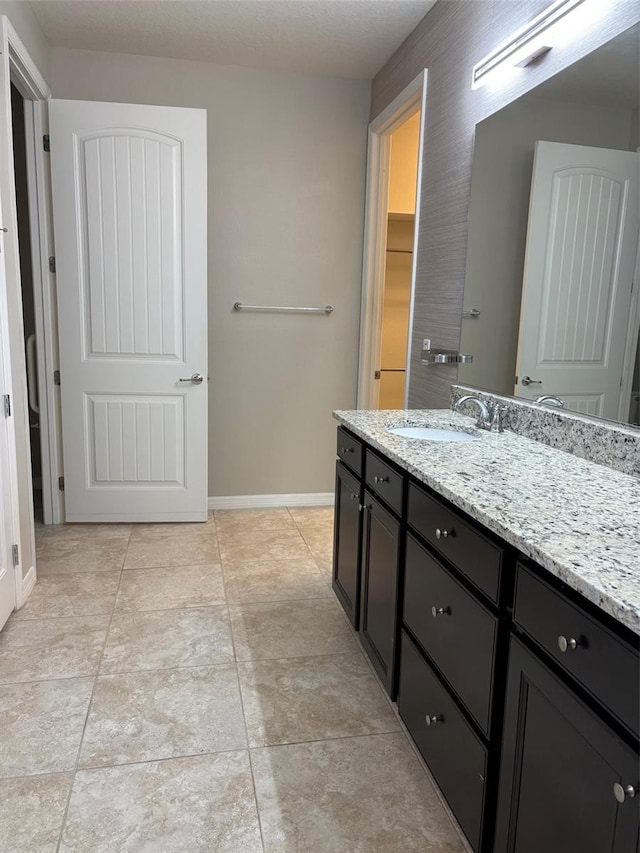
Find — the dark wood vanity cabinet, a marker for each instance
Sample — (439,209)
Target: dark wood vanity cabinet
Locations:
(559,768)
(523,698)
(367,550)
(454,651)
(570,774)
(347,538)
(381,546)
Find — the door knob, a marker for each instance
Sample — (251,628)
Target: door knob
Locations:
(196,378)
(432,719)
(527,380)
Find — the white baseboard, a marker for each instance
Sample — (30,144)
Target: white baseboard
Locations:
(262,501)
(28,583)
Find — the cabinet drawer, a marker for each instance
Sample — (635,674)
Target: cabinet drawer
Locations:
(454,754)
(385,481)
(461,641)
(477,556)
(350,450)
(602,662)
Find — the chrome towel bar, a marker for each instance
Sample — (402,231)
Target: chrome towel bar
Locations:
(287,309)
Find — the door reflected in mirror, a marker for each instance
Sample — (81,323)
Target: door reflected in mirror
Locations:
(550,308)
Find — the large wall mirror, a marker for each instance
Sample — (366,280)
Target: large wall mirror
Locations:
(550,306)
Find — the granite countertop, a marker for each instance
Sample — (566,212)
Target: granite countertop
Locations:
(579,520)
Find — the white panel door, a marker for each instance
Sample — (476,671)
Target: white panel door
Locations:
(7,572)
(579,265)
(130,216)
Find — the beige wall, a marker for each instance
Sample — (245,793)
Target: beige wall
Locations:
(451,38)
(286,198)
(498,215)
(25,24)
(403,166)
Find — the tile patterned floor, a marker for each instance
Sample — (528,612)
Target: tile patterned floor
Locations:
(198,688)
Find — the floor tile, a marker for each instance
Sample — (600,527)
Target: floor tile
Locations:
(356,794)
(164,713)
(290,629)
(241,546)
(273,580)
(187,548)
(89,532)
(80,594)
(42,725)
(51,648)
(319,540)
(164,589)
(160,530)
(325,566)
(252,520)
(286,701)
(193,805)
(313,516)
(61,555)
(168,638)
(32,812)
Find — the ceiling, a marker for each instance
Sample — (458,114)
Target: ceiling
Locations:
(329,38)
(609,76)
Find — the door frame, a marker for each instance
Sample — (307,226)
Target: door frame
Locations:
(8,455)
(25,76)
(17,67)
(411,99)
(633,329)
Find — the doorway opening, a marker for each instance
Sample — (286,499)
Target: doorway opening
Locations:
(401,218)
(31,341)
(389,260)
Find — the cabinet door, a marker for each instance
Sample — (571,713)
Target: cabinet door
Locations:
(346,543)
(560,763)
(379,596)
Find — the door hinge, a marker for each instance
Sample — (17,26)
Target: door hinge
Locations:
(56,377)
(7,405)
(61,483)
(15,555)
(377,374)
(52,264)
(46,143)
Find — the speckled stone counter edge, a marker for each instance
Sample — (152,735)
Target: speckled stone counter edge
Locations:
(602,442)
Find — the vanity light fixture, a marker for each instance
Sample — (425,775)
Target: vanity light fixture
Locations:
(518,47)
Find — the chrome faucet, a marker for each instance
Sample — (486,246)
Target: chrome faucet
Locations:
(490,415)
(549,398)
(484,417)
(485,414)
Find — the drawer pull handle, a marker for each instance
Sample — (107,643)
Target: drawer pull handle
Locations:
(354,497)
(565,644)
(443,534)
(431,720)
(347,449)
(377,479)
(440,611)
(362,507)
(621,792)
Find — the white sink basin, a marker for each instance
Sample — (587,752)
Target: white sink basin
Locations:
(432,434)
